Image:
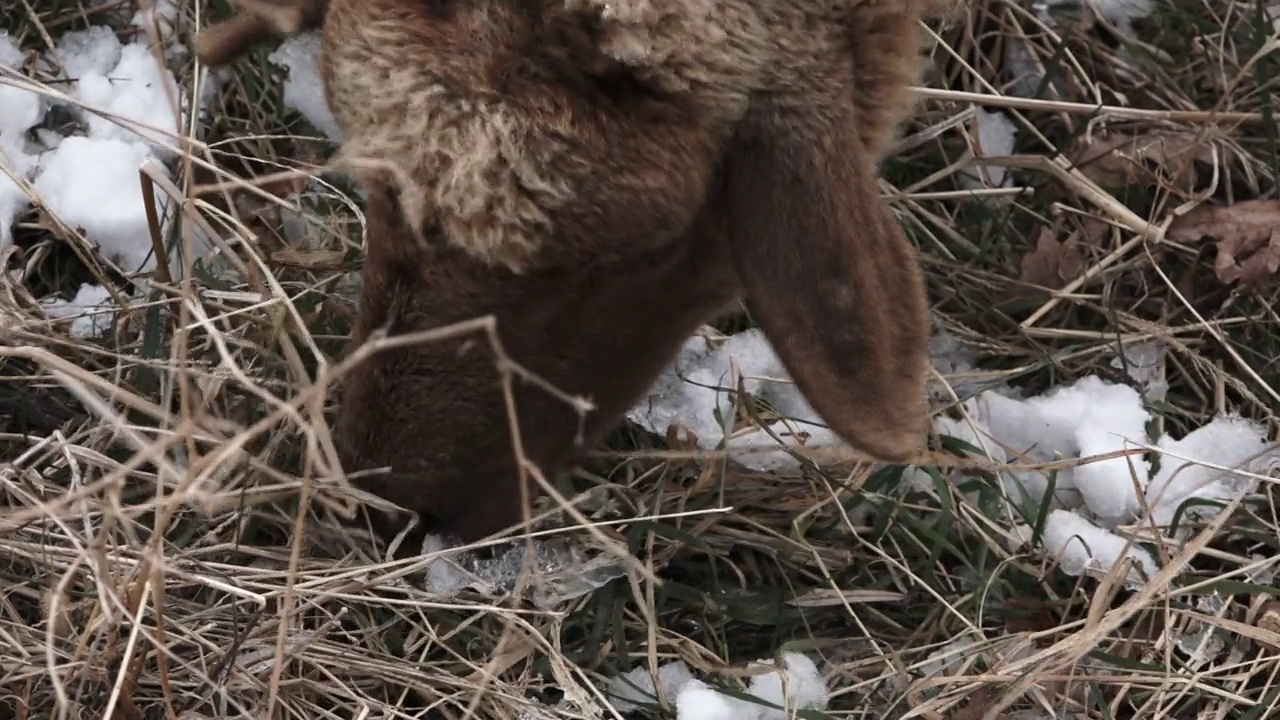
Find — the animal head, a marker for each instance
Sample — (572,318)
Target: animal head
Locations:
(601,177)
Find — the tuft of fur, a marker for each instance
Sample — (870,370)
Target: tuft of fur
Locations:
(889,54)
(519,131)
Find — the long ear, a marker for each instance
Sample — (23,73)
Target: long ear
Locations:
(829,275)
(225,42)
(256,21)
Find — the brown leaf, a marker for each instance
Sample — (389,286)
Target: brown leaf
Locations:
(1052,263)
(1253,270)
(1247,235)
(1269,616)
(1251,218)
(1120,159)
(979,701)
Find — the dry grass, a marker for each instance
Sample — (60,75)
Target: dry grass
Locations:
(170,548)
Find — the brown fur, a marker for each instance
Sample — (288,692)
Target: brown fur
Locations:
(603,177)
(842,310)
(435,413)
(517,129)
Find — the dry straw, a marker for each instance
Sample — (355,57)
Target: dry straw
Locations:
(171,540)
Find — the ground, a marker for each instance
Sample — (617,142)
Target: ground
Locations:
(1092,187)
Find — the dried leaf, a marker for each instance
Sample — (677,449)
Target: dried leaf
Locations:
(1247,235)
(1053,263)
(1269,616)
(1253,219)
(1120,159)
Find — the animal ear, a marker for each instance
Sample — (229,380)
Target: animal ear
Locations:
(256,21)
(828,273)
(225,42)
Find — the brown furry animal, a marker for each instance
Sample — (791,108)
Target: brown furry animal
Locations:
(603,176)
